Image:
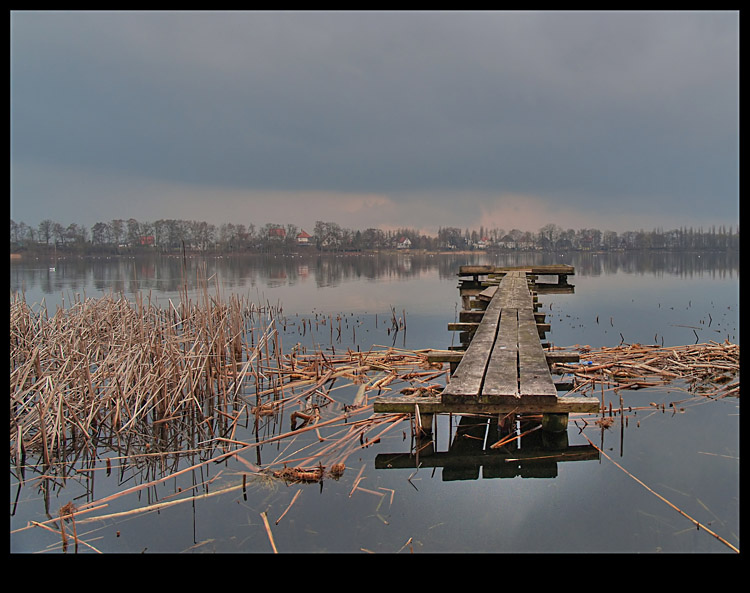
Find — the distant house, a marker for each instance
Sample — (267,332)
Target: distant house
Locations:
(147,240)
(483,243)
(403,243)
(303,238)
(507,242)
(330,241)
(277,233)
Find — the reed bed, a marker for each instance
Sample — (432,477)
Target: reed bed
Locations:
(710,369)
(131,376)
(132,386)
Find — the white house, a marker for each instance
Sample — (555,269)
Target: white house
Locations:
(303,238)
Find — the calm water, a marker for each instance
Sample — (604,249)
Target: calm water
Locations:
(690,458)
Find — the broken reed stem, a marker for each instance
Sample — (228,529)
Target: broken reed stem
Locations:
(514,436)
(356,481)
(697,523)
(294,498)
(48,528)
(264,516)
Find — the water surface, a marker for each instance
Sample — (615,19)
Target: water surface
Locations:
(686,452)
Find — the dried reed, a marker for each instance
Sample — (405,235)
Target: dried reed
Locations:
(710,369)
(113,380)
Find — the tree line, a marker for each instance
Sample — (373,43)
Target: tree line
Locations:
(172,235)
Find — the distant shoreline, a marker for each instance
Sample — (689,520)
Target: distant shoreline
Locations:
(49,253)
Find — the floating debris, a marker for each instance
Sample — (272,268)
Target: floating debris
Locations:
(710,369)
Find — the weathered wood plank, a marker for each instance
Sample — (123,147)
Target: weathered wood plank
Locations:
(437,405)
(487,293)
(473,316)
(455,356)
(534,375)
(470,316)
(475,270)
(471,326)
(540,270)
(463,326)
(501,378)
(555,289)
(557,357)
(468,378)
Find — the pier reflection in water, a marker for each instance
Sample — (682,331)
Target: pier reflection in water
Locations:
(474,451)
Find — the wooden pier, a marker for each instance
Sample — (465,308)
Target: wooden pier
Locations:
(501,368)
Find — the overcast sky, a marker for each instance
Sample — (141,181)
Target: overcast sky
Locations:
(613,120)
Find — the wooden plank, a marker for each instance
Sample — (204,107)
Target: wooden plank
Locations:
(541,270)
(463,326)
(501,378)
(534,375)
(455,356)
(470,326)
(555,288)
(557,357)
(473,316)
(468,378)
(515,292)
(475,270)
(470,316)
(487,293)
(404,404)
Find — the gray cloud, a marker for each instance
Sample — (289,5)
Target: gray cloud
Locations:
(590,109)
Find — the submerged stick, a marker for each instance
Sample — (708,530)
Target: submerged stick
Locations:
(697,523)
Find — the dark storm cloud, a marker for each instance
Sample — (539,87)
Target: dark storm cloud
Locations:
(580,107)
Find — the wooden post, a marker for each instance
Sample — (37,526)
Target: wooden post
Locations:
(555,422)
(423,421)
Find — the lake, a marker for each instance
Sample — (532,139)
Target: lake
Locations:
(671,450)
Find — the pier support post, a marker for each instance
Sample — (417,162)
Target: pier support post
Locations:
(423,422)
(555,422)
(425,443)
